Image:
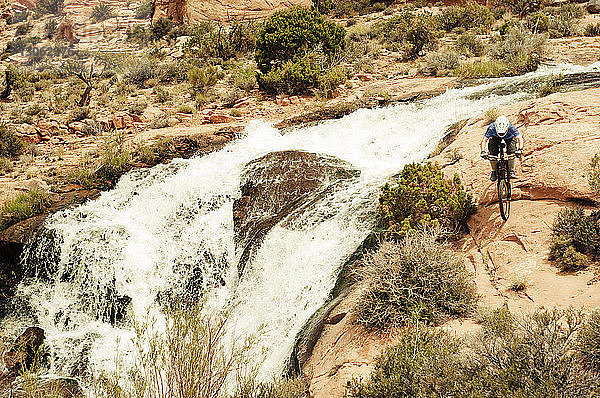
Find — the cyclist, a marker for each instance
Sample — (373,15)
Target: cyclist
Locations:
(500,130)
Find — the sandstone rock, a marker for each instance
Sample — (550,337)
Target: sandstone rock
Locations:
(218,118)
(593,6)
(76,127)
(34,184)
(200,10)
(25,351)
(274,186)
(118,123)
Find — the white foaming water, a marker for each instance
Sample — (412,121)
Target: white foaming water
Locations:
(161,228)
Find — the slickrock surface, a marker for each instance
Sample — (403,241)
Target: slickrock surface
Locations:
(562,133)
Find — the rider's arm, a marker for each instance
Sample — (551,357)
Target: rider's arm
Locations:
(484,144)
(520,142)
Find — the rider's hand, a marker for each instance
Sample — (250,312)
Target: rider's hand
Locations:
(519,153)
(483,154)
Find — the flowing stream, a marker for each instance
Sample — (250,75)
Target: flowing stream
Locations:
(169,229)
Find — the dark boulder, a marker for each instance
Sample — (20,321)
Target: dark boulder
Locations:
(25,352)
(276,185)
(593,6)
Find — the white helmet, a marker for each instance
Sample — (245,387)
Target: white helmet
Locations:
(502,124)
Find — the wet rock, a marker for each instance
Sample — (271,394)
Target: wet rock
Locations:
(25,352)
(276,185)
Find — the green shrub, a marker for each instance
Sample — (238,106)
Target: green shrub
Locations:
(330,80)
(152,154)
(408,33)
(294,76)
(594,176)
(423,197)
(23,29)
(592,30)
(25,205)
(423,363)
(589,342)
(441,62)
(161,28)
(538,22)
(415,278)
(18,16)
(144,11)
(140,71)
(291,34)
(244,78)
(101,12)
(201,79)
(470,45)
(323,6)
(50,6)
(138,108)
(10,144)
(162,94)
(575,236)
(173,72)
(138,34)
(564,20)
(470,16)
(215,40)
(351,8)
(80,113)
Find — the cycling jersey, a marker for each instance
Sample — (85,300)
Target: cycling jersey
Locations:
(511,133)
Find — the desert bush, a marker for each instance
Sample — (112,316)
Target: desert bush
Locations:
(162,94)
(589,342)
(50,6)
(470,45)
(215,40)
(144,11)
(592,30)
(423,197)
(348,8)
(101,12)
(23,29)
(441,62)
(138,72)
(530,356)
(80,113)
(10,144)
(50,27)
(291,34)
(18,16)
(423,363)
(329,80)
(173,72)
(594,175)
(408,34)
(575,237)
(415,278)
(538,22)
(470,16)
(25,205)
(201,79)
(564,20)
(6,165)
(138,108)
(518,52)
(161,28)
(244,78)
(138,34)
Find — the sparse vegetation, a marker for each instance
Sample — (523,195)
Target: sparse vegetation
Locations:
(529,356)
(442,62)
(592,30)
(594,176)
(6,165)
(471,15)
(201,79)
(101,12)
(470,45)
(575,238)
(417,278)
(50,6)
(10,144)
(589,342)
(422,197)
(144,11)
(23,206)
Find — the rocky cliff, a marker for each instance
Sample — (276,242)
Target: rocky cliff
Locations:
(217,10)
(562,132)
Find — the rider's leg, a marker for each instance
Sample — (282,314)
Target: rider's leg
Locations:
(511,147)
(493,150)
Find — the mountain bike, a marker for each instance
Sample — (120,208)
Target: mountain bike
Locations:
(503,182)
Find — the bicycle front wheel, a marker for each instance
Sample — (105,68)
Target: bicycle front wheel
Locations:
(504,198)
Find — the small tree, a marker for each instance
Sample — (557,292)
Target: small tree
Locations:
(292,33)
(102,12)
(594,176)
(79,70)
(50,6)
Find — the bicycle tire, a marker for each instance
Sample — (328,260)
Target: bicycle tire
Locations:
(504,198)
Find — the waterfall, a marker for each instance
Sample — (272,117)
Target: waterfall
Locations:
(169,230)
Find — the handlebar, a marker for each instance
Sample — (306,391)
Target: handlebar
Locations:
(492,157)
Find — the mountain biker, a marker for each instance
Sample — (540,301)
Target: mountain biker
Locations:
(495,133)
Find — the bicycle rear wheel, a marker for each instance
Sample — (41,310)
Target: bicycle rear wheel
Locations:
(504,198)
